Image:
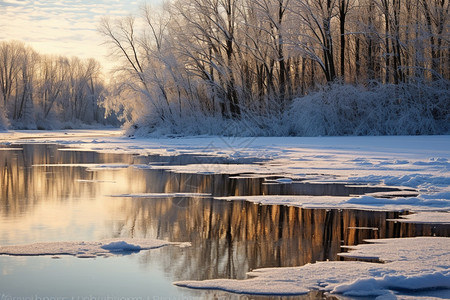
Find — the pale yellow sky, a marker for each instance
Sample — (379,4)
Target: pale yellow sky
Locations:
(64,27)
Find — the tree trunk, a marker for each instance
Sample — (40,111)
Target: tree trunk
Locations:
(357,59)
(387,40)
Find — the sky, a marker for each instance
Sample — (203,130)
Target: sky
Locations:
(64,27)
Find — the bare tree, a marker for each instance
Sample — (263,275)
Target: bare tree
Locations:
(40,89)
(344,7)
(232,58)
(317,43)
(24,83)
(121,34)
(437,17)
(53,75)
(273,13)
(10,60)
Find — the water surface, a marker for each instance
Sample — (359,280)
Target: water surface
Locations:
(49,193)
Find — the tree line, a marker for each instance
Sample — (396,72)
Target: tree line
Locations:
(45,91)
(237,58)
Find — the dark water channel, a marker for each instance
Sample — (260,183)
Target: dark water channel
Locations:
(49,193)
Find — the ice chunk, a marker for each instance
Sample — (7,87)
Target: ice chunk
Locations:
(362,288)
(121,246)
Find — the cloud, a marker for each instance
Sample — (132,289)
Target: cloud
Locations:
(65,27)
(13,2)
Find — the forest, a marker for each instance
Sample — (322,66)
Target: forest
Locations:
(249,67)
(49,92)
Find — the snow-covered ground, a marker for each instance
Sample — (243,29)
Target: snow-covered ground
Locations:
(419,163)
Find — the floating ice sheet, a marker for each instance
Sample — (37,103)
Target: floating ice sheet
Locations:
(89,166)
(411,264)
(291,200)
(95,181)
(85,249)
(10,149)
(164,195)
(426,217)
(419,203)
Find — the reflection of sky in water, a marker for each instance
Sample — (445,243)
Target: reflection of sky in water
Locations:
(73,277)
(50,203)
(65,27)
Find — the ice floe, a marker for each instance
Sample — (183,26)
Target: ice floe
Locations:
(87,249)
(426,217)
(164,195)
(424,182)
(419,203)
(95,181)
(422,202)
(300,201)
(421,163)
(10,149)
(409,264)
(90,167)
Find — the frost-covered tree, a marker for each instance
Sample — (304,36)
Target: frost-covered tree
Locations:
(48,91)
(10,60)
(53,72)
(194,63)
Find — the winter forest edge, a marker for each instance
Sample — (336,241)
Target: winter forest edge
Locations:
(246,67)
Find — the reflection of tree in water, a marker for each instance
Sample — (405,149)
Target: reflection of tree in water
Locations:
(23,185)
(230,238)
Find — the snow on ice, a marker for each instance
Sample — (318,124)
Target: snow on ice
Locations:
(86,249)
(426,217)
(418,162)
(164,195)
(409,264)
